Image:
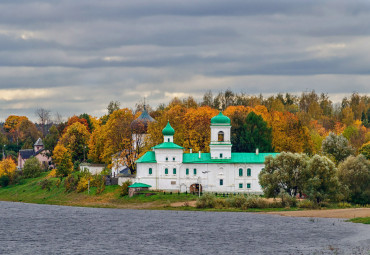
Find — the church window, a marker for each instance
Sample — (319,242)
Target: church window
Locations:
(173,158)
(150,171)
(187,171)
(174,171)
(195,171)
(166,158)
(248,185)
(221,182)
(168,140)
(240,172)
(249,172)
(220,155)
(220,136)
(166,171)
(240,185)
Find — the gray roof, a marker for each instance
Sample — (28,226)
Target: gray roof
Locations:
(39,142)
(26,154)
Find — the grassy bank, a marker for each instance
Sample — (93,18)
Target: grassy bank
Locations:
(365,220)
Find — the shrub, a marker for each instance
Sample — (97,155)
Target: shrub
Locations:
(287,201)
(306,204)
(4,181)
(208,200)
(124,188)
(57,183)
(45,184)
(70,183)
(344,205)
(32,168)
(238,201)
(83,184)
(220,203)
(254,201)
(52,174)
(98,181)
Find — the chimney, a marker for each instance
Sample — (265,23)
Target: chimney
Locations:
(191,150)
(199,154)
(257,151)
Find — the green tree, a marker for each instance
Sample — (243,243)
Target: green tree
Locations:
(253,134)
(355,173)
(322,182)
(336,146)
(32,168)
(287,171)
(365,150)
(51,140)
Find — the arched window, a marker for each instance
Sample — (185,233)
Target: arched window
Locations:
(166,171)
(249,172)
(240,172)
(220,136)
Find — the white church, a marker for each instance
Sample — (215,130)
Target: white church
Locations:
(168,168)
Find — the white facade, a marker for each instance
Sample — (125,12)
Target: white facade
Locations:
(208,175)
(166,167)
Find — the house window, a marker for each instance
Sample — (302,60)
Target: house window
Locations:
(168,140)
(174,171)
(221,182)
(240,185)
(150,171)
(187,171)
(249,172)
(240,172)
(166,171)
(248,185)
(166,158)
(220,155)
(195,171)
(173,158)
(220,136)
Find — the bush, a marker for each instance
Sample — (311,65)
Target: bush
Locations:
(254,201)
(124,188)
(306,204)
(344,205)
(32,168)
(238,201)
(220,203)
(98,181)
(4,181)
(70,183)
(57,183)
(287,201)
(46,184)
(208,200)
(52,174)
(83,184)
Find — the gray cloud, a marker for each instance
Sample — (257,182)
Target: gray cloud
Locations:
(75,57)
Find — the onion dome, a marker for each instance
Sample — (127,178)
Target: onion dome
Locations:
(220,119)
(168,130)
(140,125)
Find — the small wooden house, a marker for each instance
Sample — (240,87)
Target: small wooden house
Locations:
(136,187)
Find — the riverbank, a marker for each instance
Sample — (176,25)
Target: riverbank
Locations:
(32,191)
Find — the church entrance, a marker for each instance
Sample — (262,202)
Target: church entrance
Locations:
(194,188)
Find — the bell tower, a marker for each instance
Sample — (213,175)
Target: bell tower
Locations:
(220,146)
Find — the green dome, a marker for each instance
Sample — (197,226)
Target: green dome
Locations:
(220,119)
(168,130)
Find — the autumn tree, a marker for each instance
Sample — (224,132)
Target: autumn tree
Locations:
(253,134)
(7,171)
(365,150)
(284,172)
(63,160)
(75,139)
(355,173)
(336,146)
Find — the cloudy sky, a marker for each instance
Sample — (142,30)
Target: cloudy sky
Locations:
(75,56)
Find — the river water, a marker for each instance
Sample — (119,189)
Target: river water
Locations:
(48,229)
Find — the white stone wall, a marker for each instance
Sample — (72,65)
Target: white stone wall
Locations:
(214,133)
(208,175)
(168,155)
(93,169)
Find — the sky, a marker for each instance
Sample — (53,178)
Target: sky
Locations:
(73,57)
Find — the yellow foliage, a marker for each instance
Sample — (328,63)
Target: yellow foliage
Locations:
(7,167)
(52,174)
(83,183)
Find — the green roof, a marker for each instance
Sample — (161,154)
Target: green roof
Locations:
(193,158)
(168,145)
(139,185)
(168,130)
(220,119)
(148,157)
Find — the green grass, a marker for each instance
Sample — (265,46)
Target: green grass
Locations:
(365,220)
